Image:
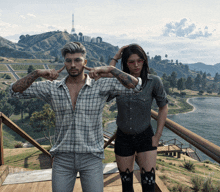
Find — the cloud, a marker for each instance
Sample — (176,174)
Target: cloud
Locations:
(22,16)
(31,15)
(185,28)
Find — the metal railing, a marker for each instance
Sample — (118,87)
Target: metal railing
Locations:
(4,119)
(207,147)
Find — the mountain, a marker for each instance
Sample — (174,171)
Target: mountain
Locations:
(48,45)
(212,69)
(164,66)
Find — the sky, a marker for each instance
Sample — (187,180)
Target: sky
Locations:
(185,30)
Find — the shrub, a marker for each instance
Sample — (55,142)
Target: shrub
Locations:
(197,183)
(163,177)
(189,166)
(201,92)
(183,93)
(18,145)
(180,188)
(7,76)
(157,167)
(207,185)
(210,92)
(207,161)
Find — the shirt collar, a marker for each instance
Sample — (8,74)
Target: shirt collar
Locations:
(149,76)
(63,81)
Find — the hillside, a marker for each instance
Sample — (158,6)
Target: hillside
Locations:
(48,45)
(212,69)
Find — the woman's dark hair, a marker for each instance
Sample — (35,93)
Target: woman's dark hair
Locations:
(135,49)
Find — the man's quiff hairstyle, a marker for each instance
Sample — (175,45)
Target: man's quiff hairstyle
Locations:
(73,47)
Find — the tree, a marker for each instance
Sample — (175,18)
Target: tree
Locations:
(44,121)
(21,37)
(157,58)
(5,107)
(7,76)
(198,81)
(204,80)
(173,79)
(216,78)
(181,84)
(164,76)
(166,55)
(189,83)
(30,69)
(109,59)
(102,59)
(152,71)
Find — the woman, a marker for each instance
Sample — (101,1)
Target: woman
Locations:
(134,133)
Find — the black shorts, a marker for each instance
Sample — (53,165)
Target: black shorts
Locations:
(127,145)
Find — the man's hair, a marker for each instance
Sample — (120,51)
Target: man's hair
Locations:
(73,47)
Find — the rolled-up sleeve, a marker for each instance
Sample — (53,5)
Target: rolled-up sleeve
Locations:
(113,87)
(159,92)
(39,90)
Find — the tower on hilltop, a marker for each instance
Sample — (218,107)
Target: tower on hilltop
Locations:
(73,29)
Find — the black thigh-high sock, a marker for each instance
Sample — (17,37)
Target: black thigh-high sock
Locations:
(148,180)
(127,181)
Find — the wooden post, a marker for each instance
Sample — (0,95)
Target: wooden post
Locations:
(1,143)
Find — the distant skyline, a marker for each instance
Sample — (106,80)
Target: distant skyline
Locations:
(186,30)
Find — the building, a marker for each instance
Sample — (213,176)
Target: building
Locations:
(73,29)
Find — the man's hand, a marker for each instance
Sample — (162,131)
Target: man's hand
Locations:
(50,74)
(98,72)
(25,82)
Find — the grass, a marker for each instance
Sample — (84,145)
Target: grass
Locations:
(2,76)
(22,67)
(3,68)
(109,156)
(21,75)
(29,158)
(20,60)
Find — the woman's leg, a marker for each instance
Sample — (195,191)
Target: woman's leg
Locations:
(147,164)
(125,166)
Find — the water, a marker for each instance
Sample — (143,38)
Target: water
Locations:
(204,121)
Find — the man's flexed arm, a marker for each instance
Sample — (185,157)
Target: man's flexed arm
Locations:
(126,79)
(22,84)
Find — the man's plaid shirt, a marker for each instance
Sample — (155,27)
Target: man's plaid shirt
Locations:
(79,130)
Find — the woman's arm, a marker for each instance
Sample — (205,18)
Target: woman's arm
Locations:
(117,56)
(162,115)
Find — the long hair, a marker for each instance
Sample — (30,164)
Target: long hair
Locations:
(135,49)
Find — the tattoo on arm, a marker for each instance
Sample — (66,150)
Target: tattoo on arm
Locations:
(22,84)
(127,80)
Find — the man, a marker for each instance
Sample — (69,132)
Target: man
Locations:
(78,102)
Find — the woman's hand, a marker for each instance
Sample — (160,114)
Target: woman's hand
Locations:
(118,55)
(155,140)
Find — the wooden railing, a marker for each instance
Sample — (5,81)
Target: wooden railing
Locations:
(4,119)
(207,147)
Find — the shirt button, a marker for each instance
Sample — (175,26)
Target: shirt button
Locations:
(130,118)
(130,128)
(130,108)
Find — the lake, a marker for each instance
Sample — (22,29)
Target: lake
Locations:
(204,121)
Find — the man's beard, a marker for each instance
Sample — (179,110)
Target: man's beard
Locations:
(75,75)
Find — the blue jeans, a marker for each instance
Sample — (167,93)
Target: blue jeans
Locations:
(66,166)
